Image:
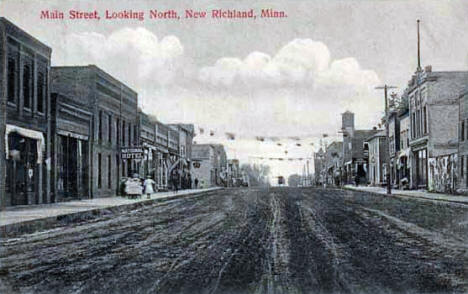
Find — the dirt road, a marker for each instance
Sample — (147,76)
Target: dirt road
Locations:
(282,240)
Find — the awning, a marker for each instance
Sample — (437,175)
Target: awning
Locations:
(73,135)
(163,150)
(149,146)
(36,135)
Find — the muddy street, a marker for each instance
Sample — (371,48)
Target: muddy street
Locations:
(279,240)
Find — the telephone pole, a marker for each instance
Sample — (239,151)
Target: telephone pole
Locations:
(388,174)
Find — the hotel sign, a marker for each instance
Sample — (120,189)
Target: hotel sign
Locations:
(132,153)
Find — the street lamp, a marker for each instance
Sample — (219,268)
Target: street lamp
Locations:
(388,175)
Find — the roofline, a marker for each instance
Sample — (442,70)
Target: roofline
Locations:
(375,136)
(40,43)
(98,69)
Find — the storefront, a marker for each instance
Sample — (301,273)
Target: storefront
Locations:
(403,170)
(420,157)
(24,152)
(72,166)
(150,162)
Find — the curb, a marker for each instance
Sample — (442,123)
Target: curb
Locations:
(406,196)
(46,223)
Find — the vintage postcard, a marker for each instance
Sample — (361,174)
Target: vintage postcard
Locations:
(233,146)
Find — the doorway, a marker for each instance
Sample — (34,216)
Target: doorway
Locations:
(22,170)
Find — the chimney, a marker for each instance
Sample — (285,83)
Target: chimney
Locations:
(428,68)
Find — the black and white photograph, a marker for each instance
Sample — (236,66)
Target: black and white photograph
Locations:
(234,146)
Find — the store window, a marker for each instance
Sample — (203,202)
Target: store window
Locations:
(99,171)
(109,171)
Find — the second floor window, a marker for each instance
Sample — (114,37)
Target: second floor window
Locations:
(11,80)
(100,126)
(425,119)
(27,80)
(135,137)
(118,131)
(123,133)
(129,134)
(40,92)
(109,131)
(462,131)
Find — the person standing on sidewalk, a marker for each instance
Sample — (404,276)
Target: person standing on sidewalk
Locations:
(148,184)
(175,181)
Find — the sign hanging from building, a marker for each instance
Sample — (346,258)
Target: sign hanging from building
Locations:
(132,153)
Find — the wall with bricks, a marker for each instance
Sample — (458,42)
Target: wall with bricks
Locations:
(2,113)
(113,106)
(29,110)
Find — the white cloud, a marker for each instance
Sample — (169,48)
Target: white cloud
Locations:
(300,62)
(136,54)
(347,72)
(299,87)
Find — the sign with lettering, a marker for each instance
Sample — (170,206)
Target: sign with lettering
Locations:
(132,153)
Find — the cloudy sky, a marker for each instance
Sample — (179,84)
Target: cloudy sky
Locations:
(264,77)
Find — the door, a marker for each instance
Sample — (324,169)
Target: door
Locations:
(22,170)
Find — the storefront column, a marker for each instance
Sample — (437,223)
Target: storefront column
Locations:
(39,183)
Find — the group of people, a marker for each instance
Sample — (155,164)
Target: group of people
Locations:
(181,180)
(177,180)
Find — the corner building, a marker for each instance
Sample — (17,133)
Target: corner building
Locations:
(25,138)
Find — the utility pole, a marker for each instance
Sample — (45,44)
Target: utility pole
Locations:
(388,175)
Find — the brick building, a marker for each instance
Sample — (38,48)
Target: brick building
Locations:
(403,165)
(434,120)
(114,125)
(355,150)
(3,79)
(25,138)
(71,145)
(186,133)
